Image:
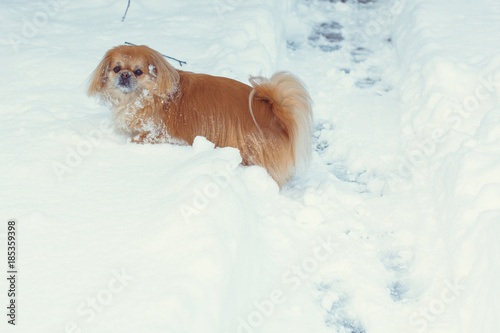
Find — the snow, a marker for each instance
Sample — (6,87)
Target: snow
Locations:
(394,228)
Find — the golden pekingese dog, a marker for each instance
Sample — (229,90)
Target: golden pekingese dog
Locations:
(270,122)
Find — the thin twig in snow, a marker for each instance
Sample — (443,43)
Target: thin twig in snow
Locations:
(126,10)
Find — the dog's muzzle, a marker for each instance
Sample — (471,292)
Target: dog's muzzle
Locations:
(124,82)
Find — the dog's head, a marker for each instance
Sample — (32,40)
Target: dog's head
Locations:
(132,70)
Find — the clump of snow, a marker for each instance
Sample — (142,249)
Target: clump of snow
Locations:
(201,144)
(151,70)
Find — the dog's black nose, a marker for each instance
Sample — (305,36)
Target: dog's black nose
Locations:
(125,75)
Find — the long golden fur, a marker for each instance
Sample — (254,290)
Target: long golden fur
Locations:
(270,122)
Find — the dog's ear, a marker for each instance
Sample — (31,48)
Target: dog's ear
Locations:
(164,74)
(99,77)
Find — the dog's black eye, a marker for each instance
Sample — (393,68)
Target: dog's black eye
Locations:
(116,69)
(138,72)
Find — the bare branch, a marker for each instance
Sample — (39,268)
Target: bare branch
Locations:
(166,56)
(126,10)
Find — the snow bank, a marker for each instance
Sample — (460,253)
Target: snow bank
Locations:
(450,88)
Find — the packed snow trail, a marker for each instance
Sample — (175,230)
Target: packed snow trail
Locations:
(394,229)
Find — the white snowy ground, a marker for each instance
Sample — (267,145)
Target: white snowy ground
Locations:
(396,227)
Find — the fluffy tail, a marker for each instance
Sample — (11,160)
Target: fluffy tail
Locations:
(292,108)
